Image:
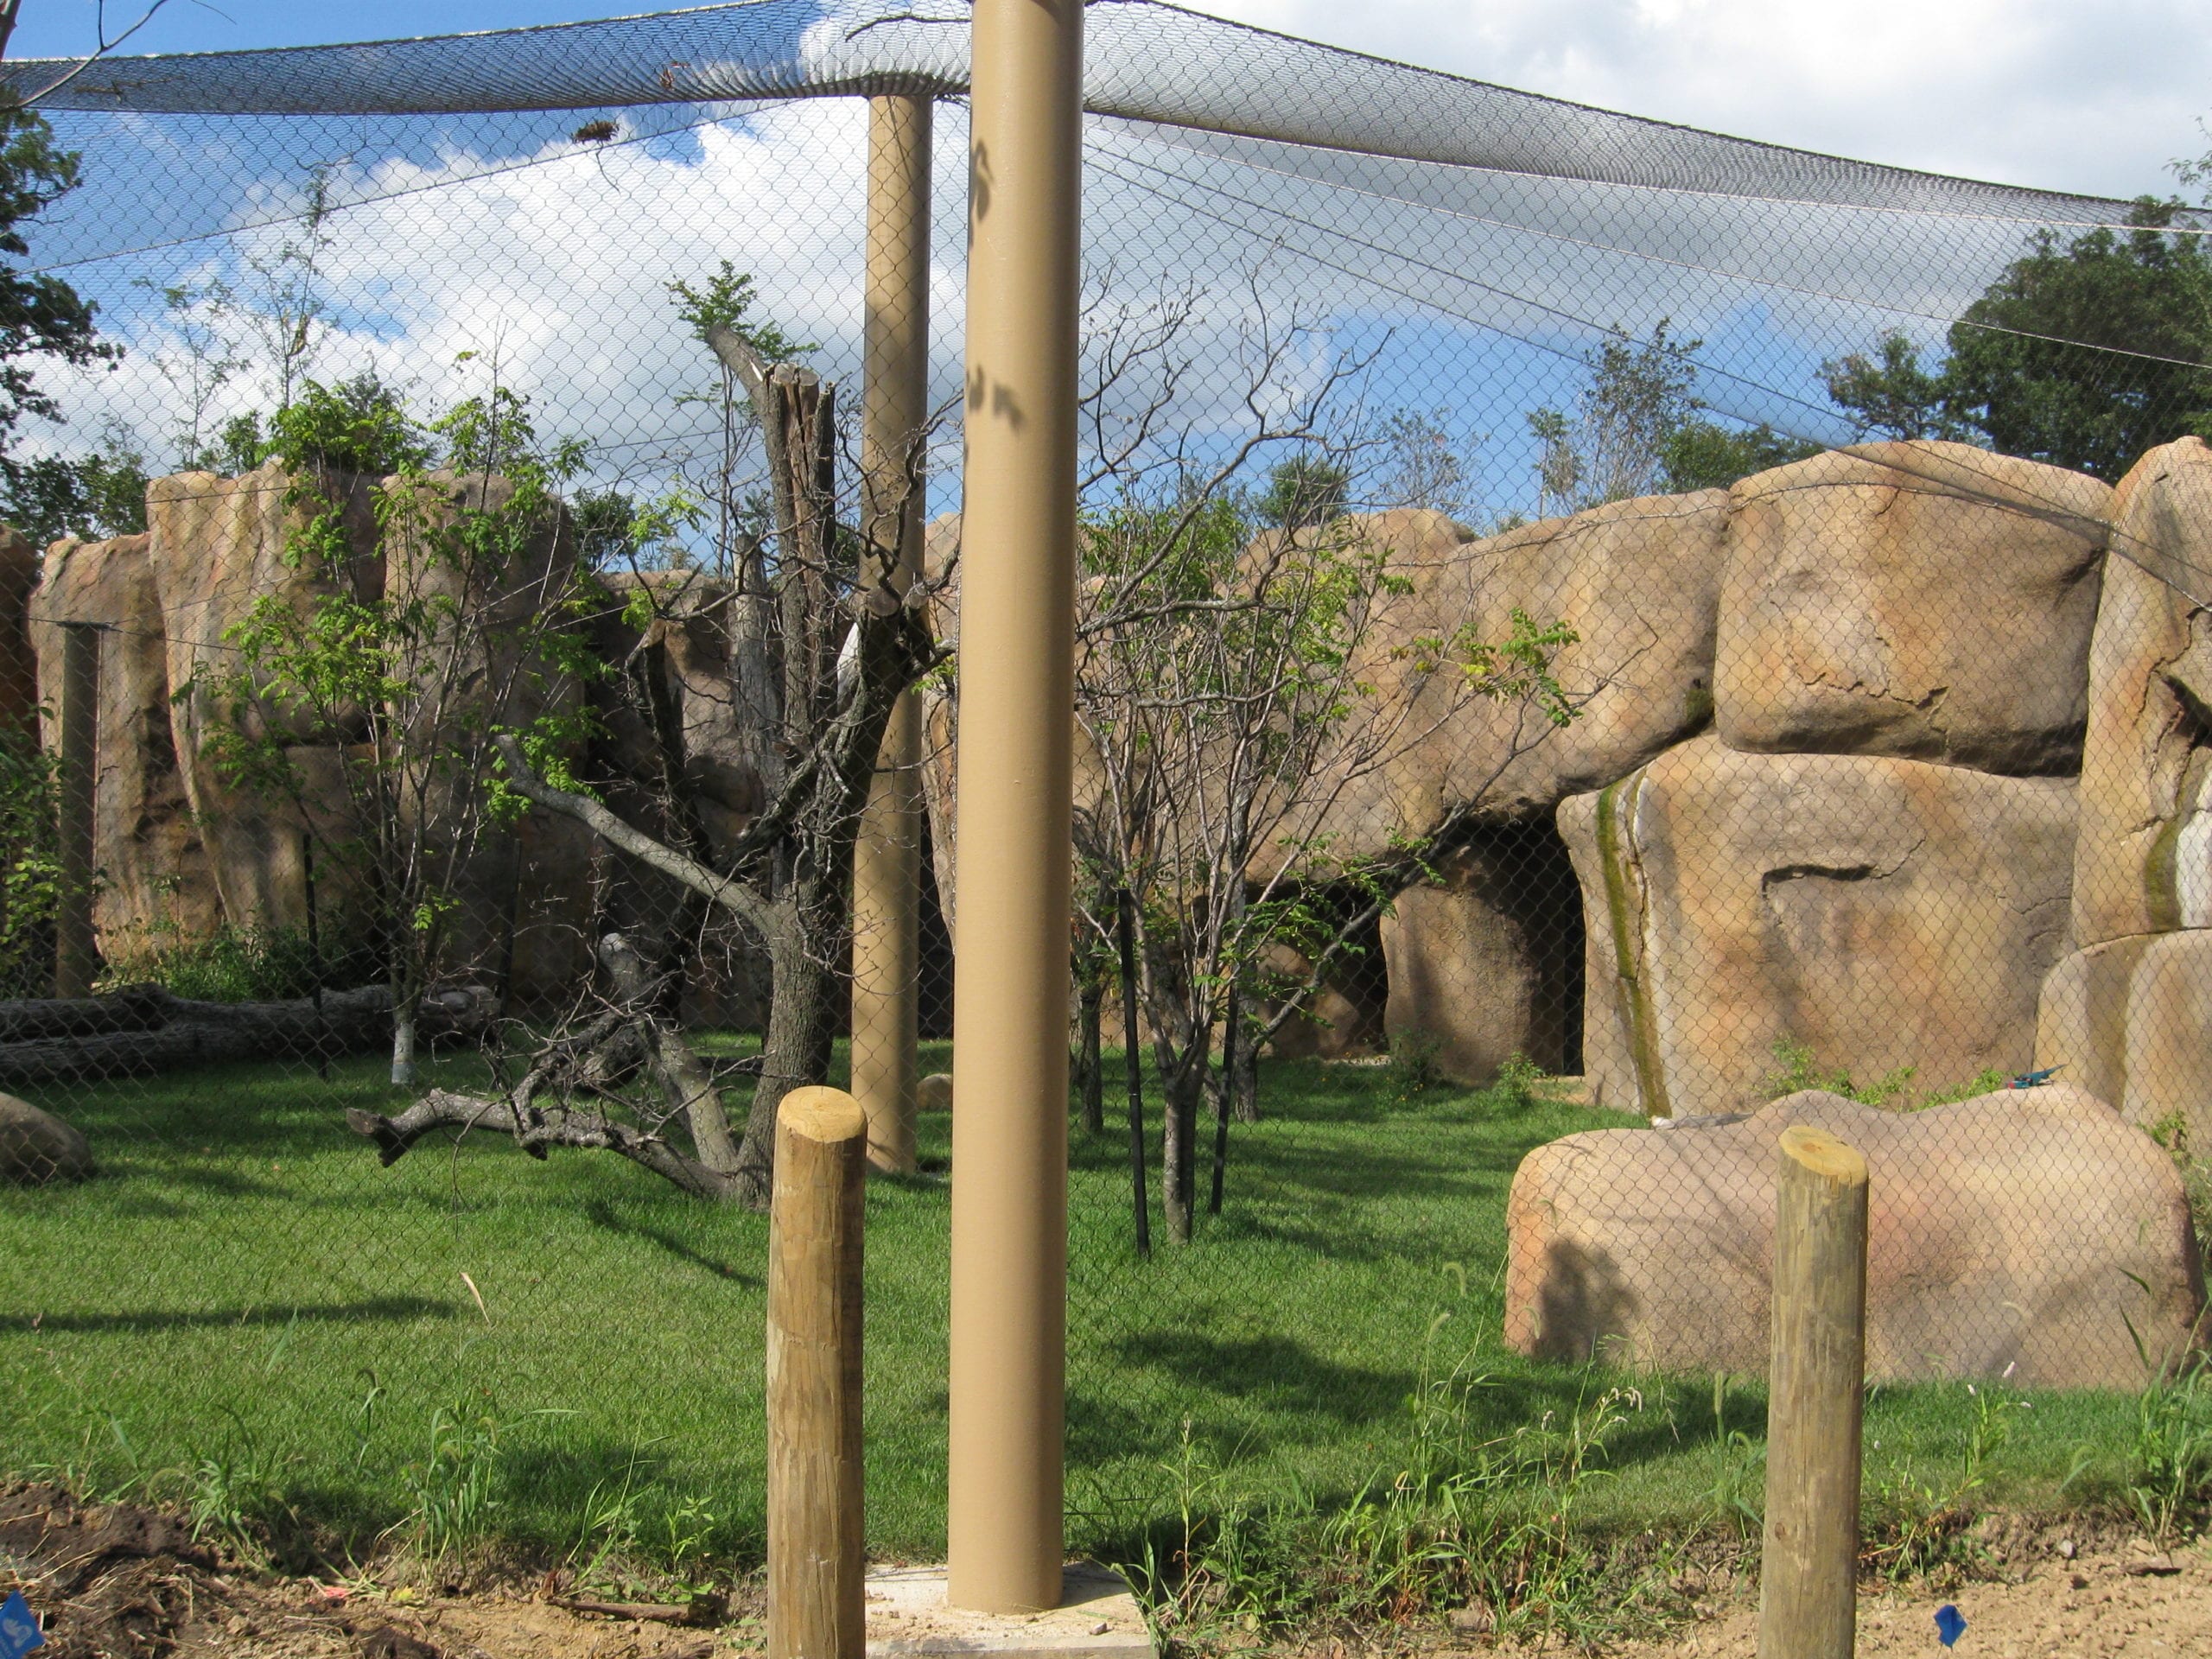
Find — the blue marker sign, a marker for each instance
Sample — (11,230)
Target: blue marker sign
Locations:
(1950,1624)
(19,1631)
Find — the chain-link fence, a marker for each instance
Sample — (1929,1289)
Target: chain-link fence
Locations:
(1578,618)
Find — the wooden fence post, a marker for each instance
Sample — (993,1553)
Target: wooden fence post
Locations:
(1808,1566)
(814,1378)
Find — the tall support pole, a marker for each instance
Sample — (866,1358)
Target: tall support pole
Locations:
(1017,697)
(887,862)
(1809,1561)
(76,954)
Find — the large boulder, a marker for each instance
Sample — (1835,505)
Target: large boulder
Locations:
(1637,582)
(36,1146)
(217,548)
(157,884)
(1481,963)
(2030,1235)
(2131,1021)
(1885,914)
(2144,861)
(1928,600)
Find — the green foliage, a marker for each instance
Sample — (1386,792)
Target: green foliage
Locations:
(2171,1133)
(1800,1070)
(1303,492)
(92,498)
(245,964)
(1518,1081)
(457,1488)
(1890,394)
(728,297)
(30,863)
(356,425)
(1463,1518)
(1702,454)
(1921,1527)
(2084,353)
(604,520)
(2169,1482)
(40,316)
(1639,396)
(387,679)
(1412,1069)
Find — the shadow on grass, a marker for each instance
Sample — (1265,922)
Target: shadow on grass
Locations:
(602,1215)
(386,1310)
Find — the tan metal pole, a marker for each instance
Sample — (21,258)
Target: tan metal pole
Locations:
(1809,1567)
(1017,696)
(76,954)
(887,862)
(815,1493)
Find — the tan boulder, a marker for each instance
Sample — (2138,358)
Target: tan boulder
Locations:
(157,883)
(1928,600)
(218,547)
(1479,964)
(1883,913)
(2144,861)
(934,1092)
(2131,1020)
(2030,1235)
(1637,581)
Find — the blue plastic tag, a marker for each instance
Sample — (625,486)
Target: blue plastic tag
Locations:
(1950,1624)
(19,1631)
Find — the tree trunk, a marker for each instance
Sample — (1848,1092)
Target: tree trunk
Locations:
(1091,998)
(403,1049)
(1244,1092)
(798,988)
(1186,1086)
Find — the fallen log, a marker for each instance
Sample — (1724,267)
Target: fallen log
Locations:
(143,1030)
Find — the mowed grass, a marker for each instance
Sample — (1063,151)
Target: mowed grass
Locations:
(245,1303)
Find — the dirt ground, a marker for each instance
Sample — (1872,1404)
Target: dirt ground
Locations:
(114,1581)
(119,1582)
(2103,1604)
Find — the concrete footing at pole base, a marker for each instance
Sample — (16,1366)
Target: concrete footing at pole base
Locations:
(1098,1618)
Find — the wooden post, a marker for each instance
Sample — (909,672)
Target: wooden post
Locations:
(1809,1563)
(815,1493)
(76,950)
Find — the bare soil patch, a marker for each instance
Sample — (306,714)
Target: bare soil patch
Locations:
(118,1581)
(2105,1604)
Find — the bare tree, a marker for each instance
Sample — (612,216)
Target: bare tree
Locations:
(1224,693)
(820,651)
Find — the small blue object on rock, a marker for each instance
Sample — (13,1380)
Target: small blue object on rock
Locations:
(19,1631)
(1950,1623)
(2035,1079)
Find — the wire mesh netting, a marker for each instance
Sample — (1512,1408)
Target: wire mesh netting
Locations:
(1587,628)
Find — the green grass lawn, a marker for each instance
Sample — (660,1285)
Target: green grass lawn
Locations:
(244,1307)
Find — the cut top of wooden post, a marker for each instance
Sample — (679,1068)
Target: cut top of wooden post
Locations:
(823,1114)
(1819,1153)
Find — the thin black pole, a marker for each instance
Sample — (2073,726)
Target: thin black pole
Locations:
(1222,1101)
(1125,926)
